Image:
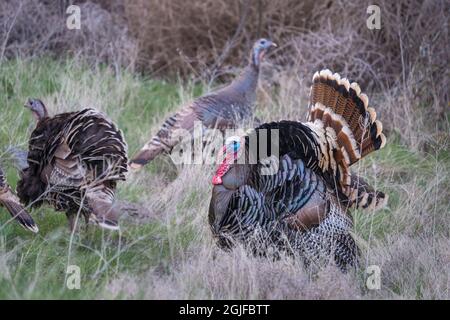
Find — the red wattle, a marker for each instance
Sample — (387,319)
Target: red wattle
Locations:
(217,179)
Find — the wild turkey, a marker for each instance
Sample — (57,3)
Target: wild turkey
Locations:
(220,109)
(74,162)
(10,201)
(302,206)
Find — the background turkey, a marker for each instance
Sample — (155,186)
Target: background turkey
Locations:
(303,206)
(221,109)
(10,201)
(75,160)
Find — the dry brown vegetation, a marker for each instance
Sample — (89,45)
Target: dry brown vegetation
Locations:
(405,61)
(33,28)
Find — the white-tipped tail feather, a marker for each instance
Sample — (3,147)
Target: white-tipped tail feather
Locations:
(338,104)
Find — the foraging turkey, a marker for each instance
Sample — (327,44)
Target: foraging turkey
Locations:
(302,204)
(221,109)
(75,160)
(10,201)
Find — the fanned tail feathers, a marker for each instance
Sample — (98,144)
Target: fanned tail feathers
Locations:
(341,117)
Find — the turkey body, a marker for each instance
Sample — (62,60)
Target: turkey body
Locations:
(295,209)
(301,205)
(74,162)
(221,109)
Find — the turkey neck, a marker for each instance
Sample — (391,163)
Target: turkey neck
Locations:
(247,82)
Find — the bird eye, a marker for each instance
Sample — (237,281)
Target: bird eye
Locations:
(263,42)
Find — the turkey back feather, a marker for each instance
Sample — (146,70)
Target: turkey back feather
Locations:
(69,155)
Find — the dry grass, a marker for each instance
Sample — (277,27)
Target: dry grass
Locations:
(408,240)
(30,28)
(170,253)
(207,273)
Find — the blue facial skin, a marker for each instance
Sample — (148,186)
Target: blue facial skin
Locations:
(232,147)
(236,146)
(261,45)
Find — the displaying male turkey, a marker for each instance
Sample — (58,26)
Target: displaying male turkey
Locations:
(74,162)
(10,201)
(220,109)
(302,204)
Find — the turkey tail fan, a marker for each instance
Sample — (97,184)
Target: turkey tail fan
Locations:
(342,106)
(340,115)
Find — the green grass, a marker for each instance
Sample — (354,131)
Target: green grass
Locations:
(34,266)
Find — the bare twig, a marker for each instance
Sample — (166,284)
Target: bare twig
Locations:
(5,41)
(232,42)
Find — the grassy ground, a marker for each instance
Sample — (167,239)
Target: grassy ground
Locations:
(169,253)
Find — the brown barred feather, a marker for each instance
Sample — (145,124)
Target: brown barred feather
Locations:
(12,204)
(346,100)
(75,160)
(341,105)
(364,196)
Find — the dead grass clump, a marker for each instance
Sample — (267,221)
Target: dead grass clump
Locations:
(181,37)
(207,273)
(34,28)
(201,36)
(412,267)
